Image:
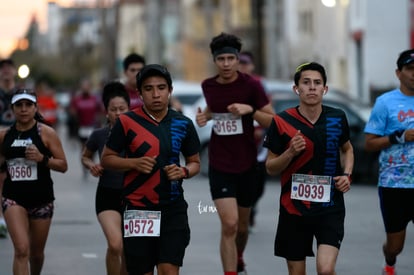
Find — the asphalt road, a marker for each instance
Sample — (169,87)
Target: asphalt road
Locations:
(77,246)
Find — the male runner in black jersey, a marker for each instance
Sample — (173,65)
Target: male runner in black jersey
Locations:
(156,230)
(306,145)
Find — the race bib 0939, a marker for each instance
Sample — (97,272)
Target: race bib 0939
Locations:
(311,188)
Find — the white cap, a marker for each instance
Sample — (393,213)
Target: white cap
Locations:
(24,95)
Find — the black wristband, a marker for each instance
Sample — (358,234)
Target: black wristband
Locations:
(45,160)
(397,137)
(254,111)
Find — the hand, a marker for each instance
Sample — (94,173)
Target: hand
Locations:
(409,135)
(32,153)
(145,164)
(240,109)
(174,172)
(342,183)
(201,118)
(297,144)
(96,170)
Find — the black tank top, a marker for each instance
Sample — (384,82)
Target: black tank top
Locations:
(27,183)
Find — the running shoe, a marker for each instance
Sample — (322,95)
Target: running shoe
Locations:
(241,269)
(388,270)
(3,231)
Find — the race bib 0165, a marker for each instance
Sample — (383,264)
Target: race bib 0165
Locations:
(226,124)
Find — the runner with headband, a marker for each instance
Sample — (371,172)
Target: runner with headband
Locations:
(234,101)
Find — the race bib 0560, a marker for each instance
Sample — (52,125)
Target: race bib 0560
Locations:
(21,169)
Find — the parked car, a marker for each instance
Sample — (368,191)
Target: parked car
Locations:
(185,94)
(366,163)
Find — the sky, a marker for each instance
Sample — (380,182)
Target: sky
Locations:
(15,16)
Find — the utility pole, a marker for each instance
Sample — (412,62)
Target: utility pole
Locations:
(270,38)
(154,39)
(107,45)
(208,12)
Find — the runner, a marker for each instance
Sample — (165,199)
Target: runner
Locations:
(133,63)
(156,229)
(86,109)
(108,194)
(306,146)
(30,149)
(234,101)
(8,73)
(390,130)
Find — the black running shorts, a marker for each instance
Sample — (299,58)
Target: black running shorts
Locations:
(108,199)
(294,236)
(142,254)
(241,186)
(397,208)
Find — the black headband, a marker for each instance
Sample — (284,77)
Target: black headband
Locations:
(226,50)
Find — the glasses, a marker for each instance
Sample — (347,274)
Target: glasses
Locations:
(300,67)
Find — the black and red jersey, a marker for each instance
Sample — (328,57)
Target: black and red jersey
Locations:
(136,134)
(321,156)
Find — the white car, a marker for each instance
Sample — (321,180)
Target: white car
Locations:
(204,133)
(186,92)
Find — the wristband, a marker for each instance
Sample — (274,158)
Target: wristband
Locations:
(398,137)
(254,111)
(186,172)
(45,160)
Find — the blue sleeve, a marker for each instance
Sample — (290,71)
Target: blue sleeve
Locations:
(377,122)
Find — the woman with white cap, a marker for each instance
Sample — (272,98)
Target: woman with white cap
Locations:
(30,149)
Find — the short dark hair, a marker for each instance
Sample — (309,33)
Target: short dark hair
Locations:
(132,58)
(246,57)
(7,61)
(114,89)
(405,58)
(153,70)
(224,40)
(310,66)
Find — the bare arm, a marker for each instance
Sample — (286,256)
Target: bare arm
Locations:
(375,143)
(192,163)
(111,160)
(51,140)
(87,160)
(343,182)
(277,163)
(263,116)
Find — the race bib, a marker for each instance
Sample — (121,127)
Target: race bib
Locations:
(85,132)
(226,124)
(311,188)
(21,169)
(141,223)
